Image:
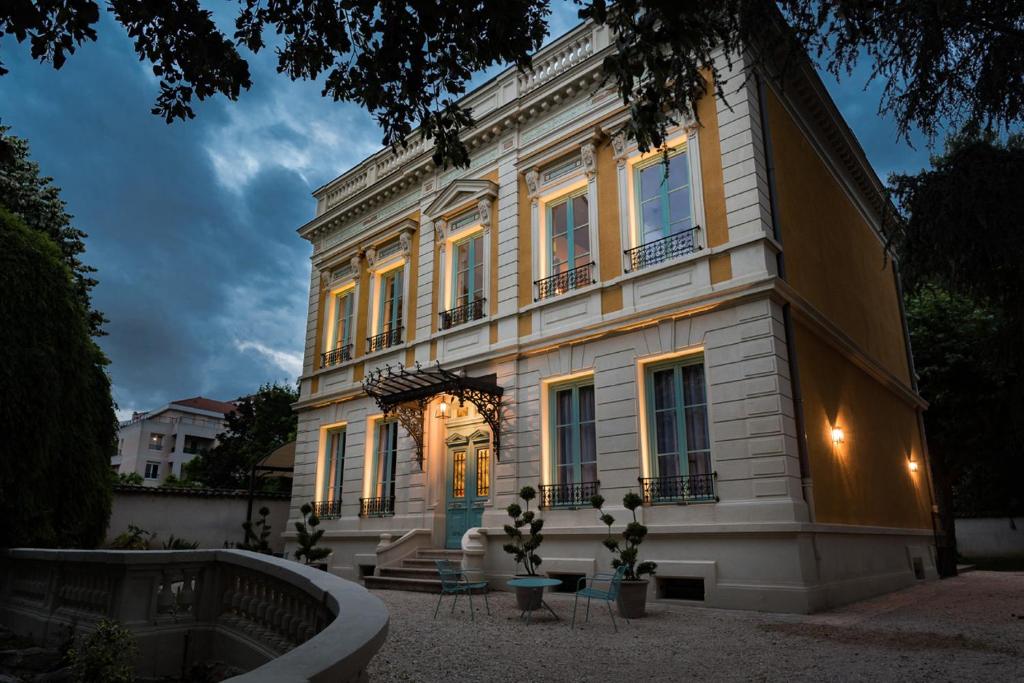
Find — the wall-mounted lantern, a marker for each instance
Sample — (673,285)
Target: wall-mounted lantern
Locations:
(838,436)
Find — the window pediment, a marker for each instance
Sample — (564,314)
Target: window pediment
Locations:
(459,193)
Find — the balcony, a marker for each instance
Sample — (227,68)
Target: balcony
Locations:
(662,250)
(560,283)
(327,509)
(474,310)
(377,507)
(336,356)
(384,340)
(276,619)
(572,495)
(684,489)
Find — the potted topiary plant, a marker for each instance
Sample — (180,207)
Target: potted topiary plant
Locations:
(308,537)
(524,548)
(632,600)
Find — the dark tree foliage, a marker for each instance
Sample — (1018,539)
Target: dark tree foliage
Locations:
(26,193)
(55,407)
(408,62)
(262,423)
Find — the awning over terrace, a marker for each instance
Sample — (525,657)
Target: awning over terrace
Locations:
(405,392)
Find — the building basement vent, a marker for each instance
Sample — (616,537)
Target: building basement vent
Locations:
(670,588)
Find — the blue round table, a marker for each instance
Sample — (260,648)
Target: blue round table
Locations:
(535,582)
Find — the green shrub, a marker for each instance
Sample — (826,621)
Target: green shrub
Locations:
(175,543)
(309,536)
(633,535)
(257,537)
(136,538)
(106,655)
(524,548)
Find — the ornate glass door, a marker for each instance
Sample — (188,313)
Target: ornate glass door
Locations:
(468,485)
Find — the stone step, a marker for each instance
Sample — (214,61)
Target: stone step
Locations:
(439,554)
(409,572)
(402,584)
(419,563)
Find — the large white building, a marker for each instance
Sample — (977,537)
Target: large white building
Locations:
(725,339)
(157,443)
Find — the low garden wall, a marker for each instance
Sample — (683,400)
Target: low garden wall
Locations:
(276,619)
(209,516)
(990,537)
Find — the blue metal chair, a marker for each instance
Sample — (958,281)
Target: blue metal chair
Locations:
(455,582)
(589,592)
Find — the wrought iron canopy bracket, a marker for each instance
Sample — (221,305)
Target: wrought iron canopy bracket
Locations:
(405,393)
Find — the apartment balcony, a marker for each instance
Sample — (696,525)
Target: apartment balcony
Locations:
(571,495)
(683,489)
(566,281)
(665,249)
(384,340)
(327,509)
(377,507)
(276,619)
(474,310)
(336,356)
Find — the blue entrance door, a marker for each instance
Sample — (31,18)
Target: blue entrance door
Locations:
(469,486)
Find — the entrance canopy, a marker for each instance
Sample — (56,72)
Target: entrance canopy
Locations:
(405,392)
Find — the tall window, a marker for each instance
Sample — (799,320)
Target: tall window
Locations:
(678,419)
(152,470)
(663,202)
(334,465)
(469,270)
(156,441)
(342,330)
(391,300)
(575,438)
(386,459)
(570,233)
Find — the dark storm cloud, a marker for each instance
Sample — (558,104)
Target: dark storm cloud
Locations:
(192,226)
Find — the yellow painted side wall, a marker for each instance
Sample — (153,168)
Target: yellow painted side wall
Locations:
(414,269)
(833,257)
(866,479)
(525,246)
(609,236)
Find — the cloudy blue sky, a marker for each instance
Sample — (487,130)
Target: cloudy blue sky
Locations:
(192,225)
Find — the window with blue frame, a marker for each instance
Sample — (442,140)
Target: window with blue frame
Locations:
(343,306)
(468,270)
(677,419)
(391,300)
(333,467)
(663,202)
(385,459)
(574,436)
(569,221)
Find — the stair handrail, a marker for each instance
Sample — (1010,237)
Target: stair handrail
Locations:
(391,553)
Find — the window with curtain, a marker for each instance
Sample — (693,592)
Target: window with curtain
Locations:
(677,421)
(468,270)
(334,464)
(343,330)
(663,201)
(391,300)
(386,459)
(569,223)
(575,437)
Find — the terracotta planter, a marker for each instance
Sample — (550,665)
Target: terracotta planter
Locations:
(632,600)
(529,598)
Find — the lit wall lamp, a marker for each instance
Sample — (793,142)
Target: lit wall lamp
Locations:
(442,409)
(838,436)
(912,463)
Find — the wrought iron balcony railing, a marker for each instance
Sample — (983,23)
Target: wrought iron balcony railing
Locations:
(327,509)
(376,507)
(560,283)
(568,495)
(336,356)
(666,248)
(692,488)
(384,339)
(474,310)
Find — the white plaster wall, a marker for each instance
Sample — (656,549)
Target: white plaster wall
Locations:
(990,537)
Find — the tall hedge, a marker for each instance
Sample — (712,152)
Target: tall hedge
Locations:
(56,412)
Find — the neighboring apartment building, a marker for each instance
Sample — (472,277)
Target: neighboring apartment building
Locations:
(157,443)
(725,339)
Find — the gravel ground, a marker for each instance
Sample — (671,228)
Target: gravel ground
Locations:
(967,628)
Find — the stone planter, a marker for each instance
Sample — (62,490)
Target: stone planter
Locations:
(529,598)
(632,600)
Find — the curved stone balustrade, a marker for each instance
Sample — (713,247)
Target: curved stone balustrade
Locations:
(277,619)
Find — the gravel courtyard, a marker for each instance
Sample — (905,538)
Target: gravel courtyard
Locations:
(967,628)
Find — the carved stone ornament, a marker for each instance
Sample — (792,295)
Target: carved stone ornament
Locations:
(589,155)
(484,208)
(371,256)
(619,145)
(354,262)
(405,240)
(440,228)
(533,182)
(325,277)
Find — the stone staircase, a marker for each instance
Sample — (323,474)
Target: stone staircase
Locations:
(417,573)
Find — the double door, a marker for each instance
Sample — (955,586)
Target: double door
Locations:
(468,485)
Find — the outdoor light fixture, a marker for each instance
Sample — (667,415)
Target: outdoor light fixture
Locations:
(837,435)
(912,464)
(442,409)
